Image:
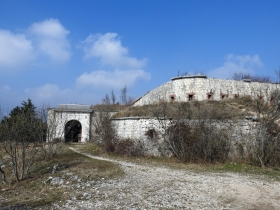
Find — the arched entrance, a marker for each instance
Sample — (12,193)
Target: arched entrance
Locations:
(73,131)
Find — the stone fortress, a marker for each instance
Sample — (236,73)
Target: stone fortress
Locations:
(199,87)
(74,122)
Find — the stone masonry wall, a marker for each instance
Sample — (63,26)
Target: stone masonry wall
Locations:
(135,128)
(202,88)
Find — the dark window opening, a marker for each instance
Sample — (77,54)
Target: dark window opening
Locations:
(191,97)
(210,96)
(224,96)
(172,97)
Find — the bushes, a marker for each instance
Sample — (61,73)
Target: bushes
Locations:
(129,148)
(23,140)
(194,141)
(105,131)
(263,147)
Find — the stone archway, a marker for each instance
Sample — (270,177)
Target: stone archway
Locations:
(73,131)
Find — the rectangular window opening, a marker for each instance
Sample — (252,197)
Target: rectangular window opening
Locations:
(210,96)
(190,97)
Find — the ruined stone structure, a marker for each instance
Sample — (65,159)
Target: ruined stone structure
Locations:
(199,87)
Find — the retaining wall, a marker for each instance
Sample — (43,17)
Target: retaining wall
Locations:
(136,128)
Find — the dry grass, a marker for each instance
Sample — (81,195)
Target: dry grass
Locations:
(267,173)
(34,192)
(224,109)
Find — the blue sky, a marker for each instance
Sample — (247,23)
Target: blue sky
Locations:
(77,51)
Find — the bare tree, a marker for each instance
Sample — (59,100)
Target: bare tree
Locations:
(254,78)
(123,96)
(106,100)
(3,174)
(113,98)
(52,125)
(277,73)
(241,75)
(19,143)
(24,136)
(263,142)
(191,132)
(103,128)
(182,74)
(199,72)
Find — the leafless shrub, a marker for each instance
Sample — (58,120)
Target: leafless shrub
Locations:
(113,97)
(194,141)
(123,96)
(104,129)
(23,138)
(130,148)
(3,174)
(191,133)
(253,78)
(17,133)
(263,143)
(52,140)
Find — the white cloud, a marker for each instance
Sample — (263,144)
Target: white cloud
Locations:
(115,79)
(45,92)
(52,94)
(48,94)
(51,39)
(15,50)
(109,49)
(235,63)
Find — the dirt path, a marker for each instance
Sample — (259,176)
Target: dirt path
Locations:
(158,187)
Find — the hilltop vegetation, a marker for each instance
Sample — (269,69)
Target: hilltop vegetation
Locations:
(224,109)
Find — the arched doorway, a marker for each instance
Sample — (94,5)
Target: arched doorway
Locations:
(73,131)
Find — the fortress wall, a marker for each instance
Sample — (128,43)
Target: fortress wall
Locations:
(202,88)
(135,129)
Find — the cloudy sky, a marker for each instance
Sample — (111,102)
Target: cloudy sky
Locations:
(77,51)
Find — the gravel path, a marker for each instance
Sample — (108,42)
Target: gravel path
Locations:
(158,187)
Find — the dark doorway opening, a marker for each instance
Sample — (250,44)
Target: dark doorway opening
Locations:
(73,131)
